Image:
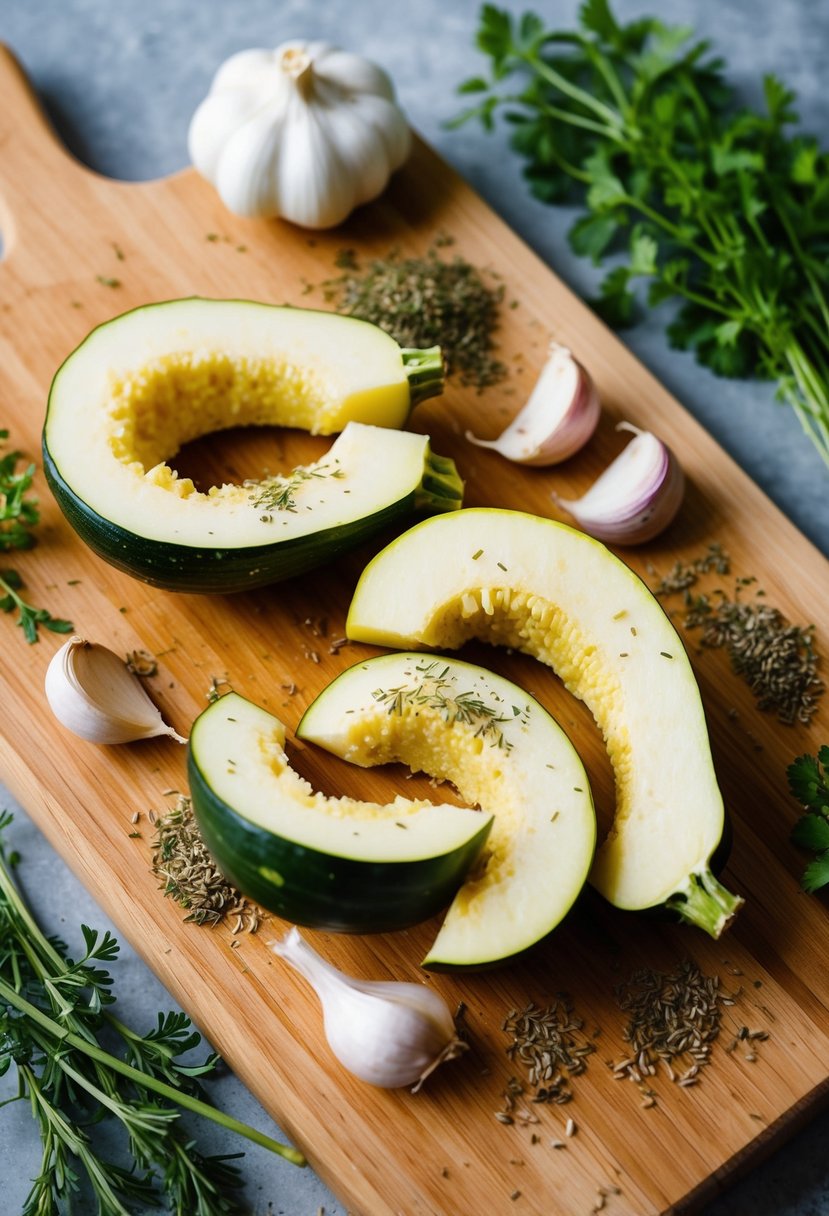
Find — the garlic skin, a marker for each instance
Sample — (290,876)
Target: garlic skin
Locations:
(306,131)
(389,1034)
(561,414)
(637,495)
(94,695)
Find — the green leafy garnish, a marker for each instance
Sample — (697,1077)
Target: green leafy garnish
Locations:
(53,1011)
(718,207)
(809,783)
(18,513)
(18,516)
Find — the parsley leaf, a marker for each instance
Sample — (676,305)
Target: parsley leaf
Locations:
(723,209)
(809,783)
(18,516)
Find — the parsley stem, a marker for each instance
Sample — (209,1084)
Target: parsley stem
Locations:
(143,1080)
(548,73)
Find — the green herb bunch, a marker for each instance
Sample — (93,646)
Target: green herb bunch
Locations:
(809,782)
(715,206)
(18,516)
(53,1011)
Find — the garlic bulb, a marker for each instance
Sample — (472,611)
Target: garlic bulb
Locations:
(636,497)
(560,416)
(307,132)
(386,1033)
(92,692)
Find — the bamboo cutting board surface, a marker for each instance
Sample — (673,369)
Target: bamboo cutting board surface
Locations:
(441,1151)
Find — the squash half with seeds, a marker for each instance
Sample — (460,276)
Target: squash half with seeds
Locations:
(151,380)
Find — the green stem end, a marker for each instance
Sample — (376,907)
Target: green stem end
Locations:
(706,903)
(425,372)
(441,488)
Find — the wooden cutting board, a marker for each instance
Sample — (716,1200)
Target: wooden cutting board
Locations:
(68,233)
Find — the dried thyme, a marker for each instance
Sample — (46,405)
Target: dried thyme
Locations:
(433,691)
(279,493)
(190,876)
(777,660)
(425,301)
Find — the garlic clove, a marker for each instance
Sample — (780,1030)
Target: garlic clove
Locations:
(558,419)
(93,694)
(636,497)
(387,1033)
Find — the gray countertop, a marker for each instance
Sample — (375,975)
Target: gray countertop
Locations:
(120,83)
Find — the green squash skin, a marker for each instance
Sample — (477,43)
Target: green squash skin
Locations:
(220,571)
(320,890)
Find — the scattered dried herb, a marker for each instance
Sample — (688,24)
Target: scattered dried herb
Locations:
(777,660)
(433,691)
(219,685)
(809,783)
(427,301)
(673,1020)
(191,877)
(279,493)
(551,1046)
(142,663)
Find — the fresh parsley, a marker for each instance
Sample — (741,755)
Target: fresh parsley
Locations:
(809,783)
(53,1013)
(18,516)
(714,206)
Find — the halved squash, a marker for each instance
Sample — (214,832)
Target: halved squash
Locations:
(333,863)
(503,752)
(150,380)
(548,590)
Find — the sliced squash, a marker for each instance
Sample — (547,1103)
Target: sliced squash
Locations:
(504,753)
(333,863)
(147,382)
(546,589)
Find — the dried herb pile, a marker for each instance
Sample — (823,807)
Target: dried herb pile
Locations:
(551,1046)
(427,301)
(191,877)
(777,659)
(673,1019)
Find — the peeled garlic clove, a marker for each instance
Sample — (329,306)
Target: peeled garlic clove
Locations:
(387,1033)
(558,419)
(93,693)
(636,497)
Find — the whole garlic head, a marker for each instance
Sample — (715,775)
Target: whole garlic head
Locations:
(307,132)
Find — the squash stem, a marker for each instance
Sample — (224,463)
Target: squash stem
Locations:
(425,371)
(705,902)
(441,487)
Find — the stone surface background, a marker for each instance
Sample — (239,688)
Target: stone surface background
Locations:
(120,82)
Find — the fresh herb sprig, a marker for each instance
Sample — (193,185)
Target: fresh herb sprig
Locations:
(715,206)
(809,783)
(52,1010)
(18,516)
(18,511)
(30,618)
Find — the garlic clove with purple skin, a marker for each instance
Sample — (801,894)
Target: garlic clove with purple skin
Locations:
(387,1033)
(558,419)
(636,496)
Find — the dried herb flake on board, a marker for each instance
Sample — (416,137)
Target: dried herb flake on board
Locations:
(191,877)
(427,301)
(777,659)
